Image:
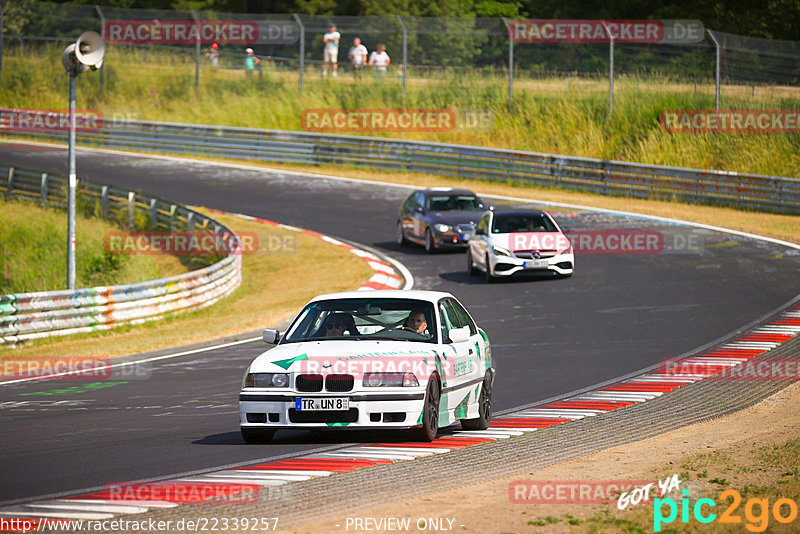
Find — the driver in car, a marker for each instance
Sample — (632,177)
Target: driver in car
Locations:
(338,323)
(416,322)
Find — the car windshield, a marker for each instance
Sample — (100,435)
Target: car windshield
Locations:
(364,318)
(455,202)
(507,224)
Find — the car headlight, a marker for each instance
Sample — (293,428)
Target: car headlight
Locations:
(500,251)
(374,380)
(266,380)
(443,228)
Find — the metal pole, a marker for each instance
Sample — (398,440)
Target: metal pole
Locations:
(610,69)
(405,56)
(103,35)
(72,186)
(510,62)
(197,56)
(302,48)
(716,73)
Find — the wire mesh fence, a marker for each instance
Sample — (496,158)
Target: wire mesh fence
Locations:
(422,50)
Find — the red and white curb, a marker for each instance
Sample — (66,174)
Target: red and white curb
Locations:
(250,479)
(386,275)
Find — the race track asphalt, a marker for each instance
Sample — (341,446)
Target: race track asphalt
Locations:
(617,314)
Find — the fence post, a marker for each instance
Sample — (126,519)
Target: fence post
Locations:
(131,210)
(190,221)
(44,189)
(196,56)
(610,69)
(302,48)
(510,61)
(104,201)
(103,35)
(716,72)
(172,211)
(10,182)
(405,55)
(153,213)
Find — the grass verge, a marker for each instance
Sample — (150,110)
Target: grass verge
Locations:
(33,249)
(275,284)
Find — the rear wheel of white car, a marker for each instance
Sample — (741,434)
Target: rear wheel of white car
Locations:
(484,409)
(401,235)
(488,271)
(257,435)
(470,264)
(430,244)
(430,413)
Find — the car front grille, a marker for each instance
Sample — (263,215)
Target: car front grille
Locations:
(528,254)
(314,383)
(339,383)
(308,382)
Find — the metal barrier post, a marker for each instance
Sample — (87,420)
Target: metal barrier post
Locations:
(10,186)
(405,55)
(153,213)
(716,72)
(196,56)
(44,189)
(510,61)
(610,69)
(72,186)
(104,201)
(131,210)
(103,35)
(302,48)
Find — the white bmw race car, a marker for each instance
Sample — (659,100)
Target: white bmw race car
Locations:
(519,241)
(372,359)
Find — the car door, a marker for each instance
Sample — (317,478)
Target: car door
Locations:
(417,217)
(460,363)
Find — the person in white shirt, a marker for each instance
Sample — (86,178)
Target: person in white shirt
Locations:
(380,60)
(358,56)
(330,54)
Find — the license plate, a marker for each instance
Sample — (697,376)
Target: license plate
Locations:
(322,404)
(535,264)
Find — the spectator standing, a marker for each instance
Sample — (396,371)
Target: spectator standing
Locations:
(380,60)
(250,62)
(358,57)
(330,54)
(212,53)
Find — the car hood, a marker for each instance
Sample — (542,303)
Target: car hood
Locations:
(343,356)
(455,217)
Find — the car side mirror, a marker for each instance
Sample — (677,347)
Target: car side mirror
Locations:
(271,336)
(419,209)
(459,335)
(480,231)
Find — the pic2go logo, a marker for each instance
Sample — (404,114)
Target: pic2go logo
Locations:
(756,511)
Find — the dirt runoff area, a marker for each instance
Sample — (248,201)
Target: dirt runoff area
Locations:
(754,452)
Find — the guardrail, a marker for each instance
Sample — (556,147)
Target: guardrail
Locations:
(27,316)
(741,190)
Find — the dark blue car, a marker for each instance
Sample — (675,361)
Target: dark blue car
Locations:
(439,217)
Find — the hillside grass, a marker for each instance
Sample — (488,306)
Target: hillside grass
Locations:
(33,252)
(552,115)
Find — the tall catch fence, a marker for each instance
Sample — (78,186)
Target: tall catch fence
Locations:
(423,50)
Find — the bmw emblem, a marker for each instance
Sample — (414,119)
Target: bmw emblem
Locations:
(326,365)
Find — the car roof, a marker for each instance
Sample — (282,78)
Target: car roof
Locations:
(446,190)
(429,296)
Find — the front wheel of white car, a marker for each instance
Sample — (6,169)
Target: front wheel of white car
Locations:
(484,418)
(488,271)
(430,413)
(257,435)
